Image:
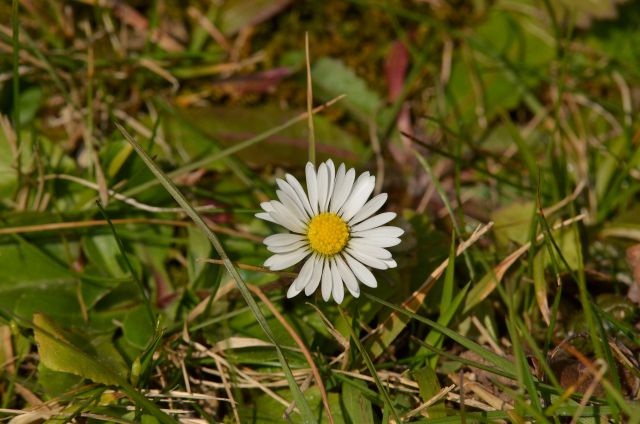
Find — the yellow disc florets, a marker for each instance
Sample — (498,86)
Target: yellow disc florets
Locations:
(328,234)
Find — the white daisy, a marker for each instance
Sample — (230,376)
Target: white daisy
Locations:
(334,227)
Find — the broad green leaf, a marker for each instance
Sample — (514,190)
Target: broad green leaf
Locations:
(95,359)
(118,157)
(429,387)
(199,247)
(102,250)
(357,408)
(59,303)
(331,78)
(137,328)
(8,172)
(24,267)
(30,101)
(56,383)
(512,223)
(230,125)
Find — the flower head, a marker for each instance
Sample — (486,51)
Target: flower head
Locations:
(333,226)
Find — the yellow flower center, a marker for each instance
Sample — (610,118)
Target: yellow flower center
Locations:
(328,234)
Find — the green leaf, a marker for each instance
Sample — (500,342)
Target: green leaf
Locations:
(24,267)
(60,350)
(429,387)
(332,78)
(227,125)
(8,172)
(30,101)
(60,304)
(199,247)
(102,251)
(357,408)
(137,328)
(56,383)
(512,223)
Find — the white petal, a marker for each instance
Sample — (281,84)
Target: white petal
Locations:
(338,183)
(283,239)
(361,271)
(315,277)
(337,287)
(326,281)
(369,208)
(265,216)
(347,276)
(378,241)
(297,187)
(323,186)
(312,186)
(374,221)
(390,263)
(358,197)
(288,247)
(292,206)
(287,219)
(281,261)
(293,291)
(369,260)
(331,171)
(362,179)
(286,187)
(367,249)
(266,206)
(342,190)
(305,274)
(380,232)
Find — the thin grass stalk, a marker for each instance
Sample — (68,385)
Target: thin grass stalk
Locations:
(305,410)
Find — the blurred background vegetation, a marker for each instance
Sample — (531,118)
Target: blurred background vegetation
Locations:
(504,131)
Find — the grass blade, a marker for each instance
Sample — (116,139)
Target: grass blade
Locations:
(372,370)
(497,360)
(303,406)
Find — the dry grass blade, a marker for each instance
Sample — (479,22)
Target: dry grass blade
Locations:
(305,351)
(491,280)
(249,267)
(441,394)
(393,325)
(57,226)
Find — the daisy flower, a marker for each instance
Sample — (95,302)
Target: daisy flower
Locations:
(333,226)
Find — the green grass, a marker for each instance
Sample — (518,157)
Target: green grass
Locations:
(133,145)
